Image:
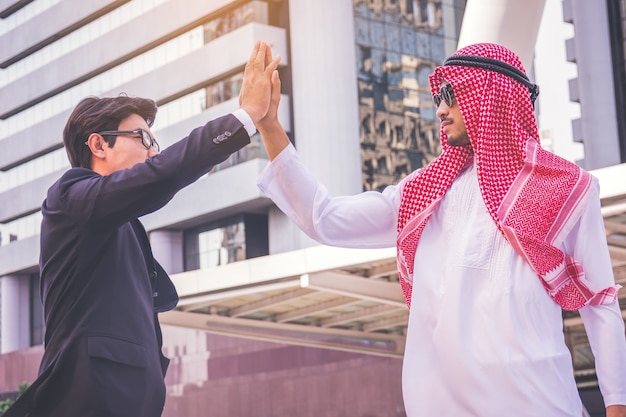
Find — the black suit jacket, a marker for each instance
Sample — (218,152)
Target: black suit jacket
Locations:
(102,288)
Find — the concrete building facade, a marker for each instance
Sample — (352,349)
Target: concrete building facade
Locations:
(598,38)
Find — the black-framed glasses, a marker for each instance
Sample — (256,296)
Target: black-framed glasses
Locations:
(446,94)
(147,140)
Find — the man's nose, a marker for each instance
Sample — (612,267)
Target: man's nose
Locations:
(442,109)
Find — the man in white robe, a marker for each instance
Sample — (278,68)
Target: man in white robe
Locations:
(494,238)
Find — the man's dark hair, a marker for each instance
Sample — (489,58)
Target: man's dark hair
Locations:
(95,114)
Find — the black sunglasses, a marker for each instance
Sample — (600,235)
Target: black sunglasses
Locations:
(446,94)
(147,140)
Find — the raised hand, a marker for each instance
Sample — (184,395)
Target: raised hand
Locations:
(256,91)
(272,113)
(274,137)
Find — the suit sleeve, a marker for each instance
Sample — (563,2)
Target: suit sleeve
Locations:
(108,201)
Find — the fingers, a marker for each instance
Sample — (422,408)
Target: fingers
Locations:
(272,112)
(257,58)
(271,67)
(261,59)
(268,56)
(275,86)
(260,85)
(255,50)
(269,122)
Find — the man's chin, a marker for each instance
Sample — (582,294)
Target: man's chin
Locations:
(455,142)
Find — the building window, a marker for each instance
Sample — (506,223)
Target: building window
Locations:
(254,150)
(224,90)
(37,323)
(35,168)
(398,43)
(231,240)
(20,229)
(254,11)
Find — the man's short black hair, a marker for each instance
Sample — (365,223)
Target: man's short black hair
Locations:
(96,114)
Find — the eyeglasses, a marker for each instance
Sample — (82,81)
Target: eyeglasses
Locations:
(446,94)
(147,140)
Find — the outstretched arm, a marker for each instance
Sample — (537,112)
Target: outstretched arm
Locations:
(366,220)
(604,324)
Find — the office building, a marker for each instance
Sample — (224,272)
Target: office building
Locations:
(268,323)
(261,329)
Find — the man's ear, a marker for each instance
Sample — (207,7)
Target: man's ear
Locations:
(96,144)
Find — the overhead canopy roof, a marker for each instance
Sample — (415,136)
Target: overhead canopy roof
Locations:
(347,299)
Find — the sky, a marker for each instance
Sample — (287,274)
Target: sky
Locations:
(552,74)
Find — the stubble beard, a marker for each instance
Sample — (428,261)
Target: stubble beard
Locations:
(460,139)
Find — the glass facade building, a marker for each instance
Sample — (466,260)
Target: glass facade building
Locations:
(398,44)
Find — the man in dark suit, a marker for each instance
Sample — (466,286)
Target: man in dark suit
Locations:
(101,287)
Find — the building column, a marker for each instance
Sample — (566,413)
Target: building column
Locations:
(325,93)
(590,49)
(14,313)
(510,23)
(325,105)
(167,248)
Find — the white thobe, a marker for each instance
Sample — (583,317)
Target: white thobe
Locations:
(484,338)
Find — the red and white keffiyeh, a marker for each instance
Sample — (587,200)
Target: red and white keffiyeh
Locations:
(533,196)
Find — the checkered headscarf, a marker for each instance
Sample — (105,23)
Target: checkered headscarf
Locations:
(514,173)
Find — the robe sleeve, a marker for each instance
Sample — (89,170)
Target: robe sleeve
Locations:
(366,220)
(604,324)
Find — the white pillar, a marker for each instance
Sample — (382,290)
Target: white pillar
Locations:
(167,248)
(15,313)
(510,23)
(325,105)
(592,51)
(325,94)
